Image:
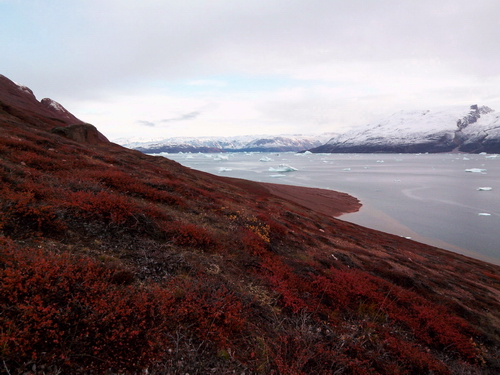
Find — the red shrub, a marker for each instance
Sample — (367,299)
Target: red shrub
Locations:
(38,161)
(64,311)
(285,282)
(69,312)
(430,323)
(22,215)
(191,235)
(214,312)
(102,205)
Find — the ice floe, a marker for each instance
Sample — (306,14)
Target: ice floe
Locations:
(476,170)
(484,214)
(486,188)
(223,169)
(283,168)
(265,159)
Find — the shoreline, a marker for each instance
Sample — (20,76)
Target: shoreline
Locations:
(333,203)
(328,202)
(325,201)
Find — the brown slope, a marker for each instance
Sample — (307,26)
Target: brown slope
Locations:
(136,262)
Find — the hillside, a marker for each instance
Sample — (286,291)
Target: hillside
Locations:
(472,129)
(113,261)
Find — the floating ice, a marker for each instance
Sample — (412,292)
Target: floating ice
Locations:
(484,214)
(475,170)
(380,161)
(277,175)
(222,169)
(283,168)
(347,169)
(265,158)
(484,188)
(221,157)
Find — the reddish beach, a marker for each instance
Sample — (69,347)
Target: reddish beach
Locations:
(327,202)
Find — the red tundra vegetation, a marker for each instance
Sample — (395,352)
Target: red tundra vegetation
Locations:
(116,262)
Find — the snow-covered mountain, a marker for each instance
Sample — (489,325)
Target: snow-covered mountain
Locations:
(463,128)
(246,143)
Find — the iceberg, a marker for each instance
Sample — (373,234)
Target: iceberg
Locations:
(484,214)
(265,158)
(484,188)
(475,170)
(283,168)
(223,169)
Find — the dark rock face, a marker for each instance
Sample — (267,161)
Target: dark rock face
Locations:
(82,133)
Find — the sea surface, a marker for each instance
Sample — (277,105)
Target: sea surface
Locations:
(430,198)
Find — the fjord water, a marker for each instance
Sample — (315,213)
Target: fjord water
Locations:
(428,197)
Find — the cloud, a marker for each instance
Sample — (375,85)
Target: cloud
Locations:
(187,116)
(146,123)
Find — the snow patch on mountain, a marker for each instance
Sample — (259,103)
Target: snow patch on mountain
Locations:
(53,105)
(437,130)
(23,88)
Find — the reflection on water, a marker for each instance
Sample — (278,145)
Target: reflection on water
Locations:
(430,198)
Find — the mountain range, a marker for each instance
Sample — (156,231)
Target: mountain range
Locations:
(246,143)
(471,129)
(113,261)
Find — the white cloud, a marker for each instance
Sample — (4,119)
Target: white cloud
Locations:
(230,66)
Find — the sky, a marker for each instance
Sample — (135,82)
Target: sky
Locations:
(165,68)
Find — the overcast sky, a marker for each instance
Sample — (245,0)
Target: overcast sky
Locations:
(164,68)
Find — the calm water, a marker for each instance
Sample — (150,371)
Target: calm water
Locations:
(430,198)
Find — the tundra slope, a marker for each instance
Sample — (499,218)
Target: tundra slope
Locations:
(136,264)
(468,129)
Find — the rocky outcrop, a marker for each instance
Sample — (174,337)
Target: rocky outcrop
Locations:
(82,133)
